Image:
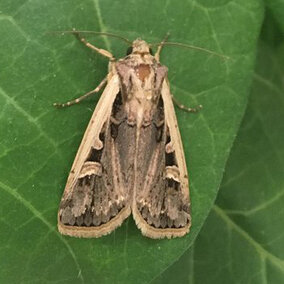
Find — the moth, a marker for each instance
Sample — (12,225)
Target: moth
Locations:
(131,158)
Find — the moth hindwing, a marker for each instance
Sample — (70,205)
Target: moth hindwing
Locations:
(131,158)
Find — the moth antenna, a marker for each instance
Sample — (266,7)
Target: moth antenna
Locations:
(160,46)
(194,47)
(92,32)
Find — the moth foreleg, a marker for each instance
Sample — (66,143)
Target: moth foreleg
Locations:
(185,108)
(77,100)
(98,50)
(158,52)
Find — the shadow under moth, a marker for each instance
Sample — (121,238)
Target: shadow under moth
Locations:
(131,158)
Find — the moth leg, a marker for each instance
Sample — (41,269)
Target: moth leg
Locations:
(98,50)
(160,46)
(183,107)
(76,101)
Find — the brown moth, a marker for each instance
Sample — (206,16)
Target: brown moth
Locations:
(131,158)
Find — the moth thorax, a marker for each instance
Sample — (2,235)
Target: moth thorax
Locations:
(142,71)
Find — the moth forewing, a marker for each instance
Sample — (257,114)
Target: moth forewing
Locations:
(91,136)
(175,137)
(91,140)
(177,173)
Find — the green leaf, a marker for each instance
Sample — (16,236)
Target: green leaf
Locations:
(242,240)
(38,142)
(276,7)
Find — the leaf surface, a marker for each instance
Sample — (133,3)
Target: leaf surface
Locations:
(38,142)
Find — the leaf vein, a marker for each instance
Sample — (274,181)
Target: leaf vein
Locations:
(102,27)
(260,207)
(259,248)
(30,118)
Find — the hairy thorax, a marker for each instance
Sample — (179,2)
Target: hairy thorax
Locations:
(141,81)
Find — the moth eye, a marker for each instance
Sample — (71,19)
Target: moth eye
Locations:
(151,51)
(129,50)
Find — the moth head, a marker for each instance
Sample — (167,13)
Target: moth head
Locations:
(139,46)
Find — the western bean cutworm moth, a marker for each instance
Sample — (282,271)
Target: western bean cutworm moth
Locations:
(131,158)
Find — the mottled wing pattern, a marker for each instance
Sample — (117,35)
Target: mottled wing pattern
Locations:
(161,200)
(95,200)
